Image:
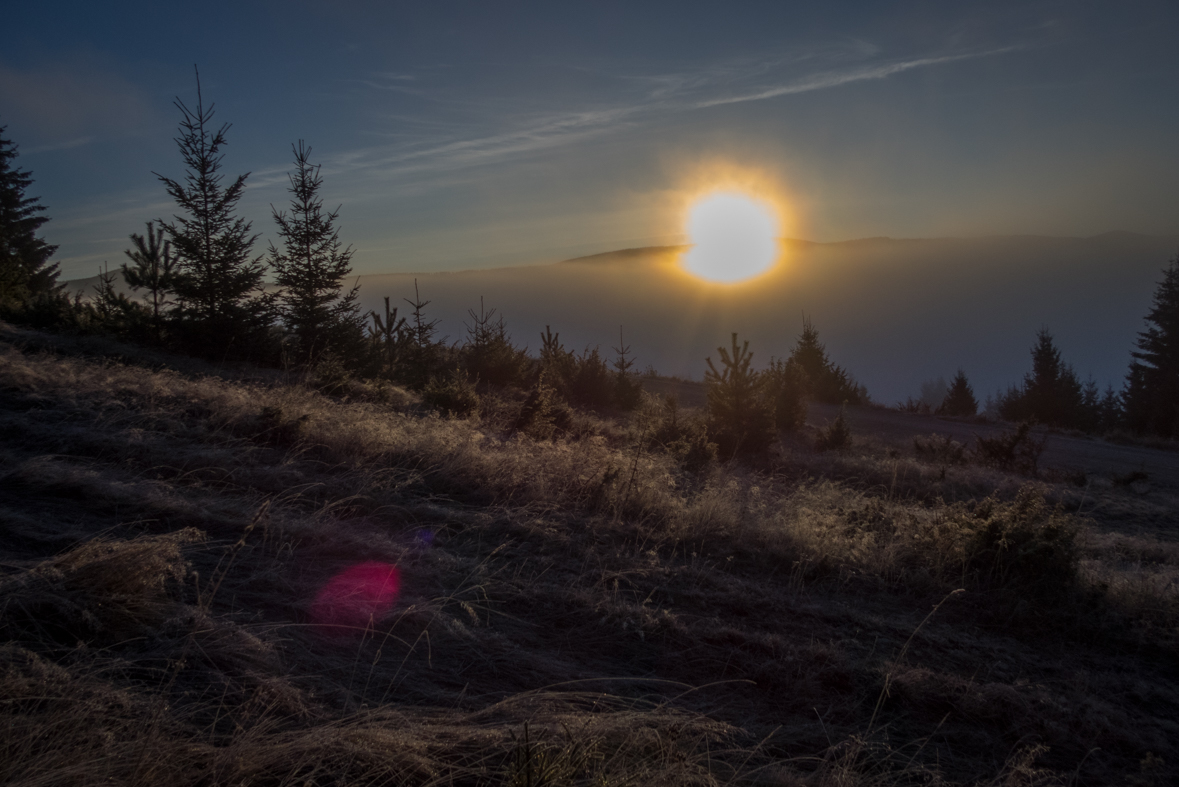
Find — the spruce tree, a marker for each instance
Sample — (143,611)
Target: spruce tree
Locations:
(740,414)
(24,269)
(217,281)
(1051,393)
(959,400)
(153,271)
(1151,395)
(311,270)
(828,383)
(489,354)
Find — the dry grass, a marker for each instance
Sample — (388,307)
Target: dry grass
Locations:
(579,611)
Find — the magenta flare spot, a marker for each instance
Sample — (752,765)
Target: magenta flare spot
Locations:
(356,596)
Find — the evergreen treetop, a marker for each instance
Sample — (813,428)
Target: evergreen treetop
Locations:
(24,272)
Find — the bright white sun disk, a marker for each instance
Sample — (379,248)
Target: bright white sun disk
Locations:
(734,238)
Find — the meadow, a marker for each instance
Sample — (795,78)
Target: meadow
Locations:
(588,609)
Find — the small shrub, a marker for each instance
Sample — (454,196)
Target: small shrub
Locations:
(837,436)
(684,438)
(330,375)
(1018,450)
(913,407)
(1024,546)
(939,450)
(543,414)
(454,395)
(786,385)
(741,420)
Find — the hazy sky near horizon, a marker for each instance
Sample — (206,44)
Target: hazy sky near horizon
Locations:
(460,135)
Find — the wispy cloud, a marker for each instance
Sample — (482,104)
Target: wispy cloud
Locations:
(640,99)
(68,145)
(832,79)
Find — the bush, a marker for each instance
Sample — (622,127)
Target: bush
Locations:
(684,438)
(1017,450)
(786,385)
(453,395)
(330,374)
(940,450)
(543,414)
(837,436)
(1023,547)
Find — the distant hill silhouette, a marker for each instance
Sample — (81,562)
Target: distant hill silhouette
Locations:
(893,312)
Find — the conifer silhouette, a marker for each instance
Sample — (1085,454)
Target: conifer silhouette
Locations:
(960,399)
(742,420)
(25,271)
(1051,393)
(311,268)
(1151,394)
(828,383)
(154,271)
(217,280)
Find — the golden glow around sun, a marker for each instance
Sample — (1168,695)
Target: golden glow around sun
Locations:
(734,237)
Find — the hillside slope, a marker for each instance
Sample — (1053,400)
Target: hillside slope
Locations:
(574,612)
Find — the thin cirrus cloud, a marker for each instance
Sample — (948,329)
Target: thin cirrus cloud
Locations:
(664,94)
(831,79)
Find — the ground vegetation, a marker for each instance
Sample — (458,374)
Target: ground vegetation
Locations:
(578,607)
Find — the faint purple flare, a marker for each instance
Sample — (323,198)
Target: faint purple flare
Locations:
(354,597)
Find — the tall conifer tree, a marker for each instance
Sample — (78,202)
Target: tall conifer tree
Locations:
(24,257)
(311,269)
(217,280)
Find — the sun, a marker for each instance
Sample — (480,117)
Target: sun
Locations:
(734,237)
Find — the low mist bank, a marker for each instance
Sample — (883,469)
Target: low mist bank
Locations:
(892,312)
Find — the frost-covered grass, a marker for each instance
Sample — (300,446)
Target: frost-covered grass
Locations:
(579,611)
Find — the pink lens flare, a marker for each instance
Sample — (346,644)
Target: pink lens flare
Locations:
(354,597)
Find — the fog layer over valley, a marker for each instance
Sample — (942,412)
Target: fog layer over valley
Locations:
(892,312)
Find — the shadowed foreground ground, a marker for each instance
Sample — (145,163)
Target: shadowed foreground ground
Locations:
(582,611)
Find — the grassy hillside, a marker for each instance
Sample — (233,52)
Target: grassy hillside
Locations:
(578,612)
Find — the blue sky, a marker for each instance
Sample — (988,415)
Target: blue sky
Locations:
(460,135)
